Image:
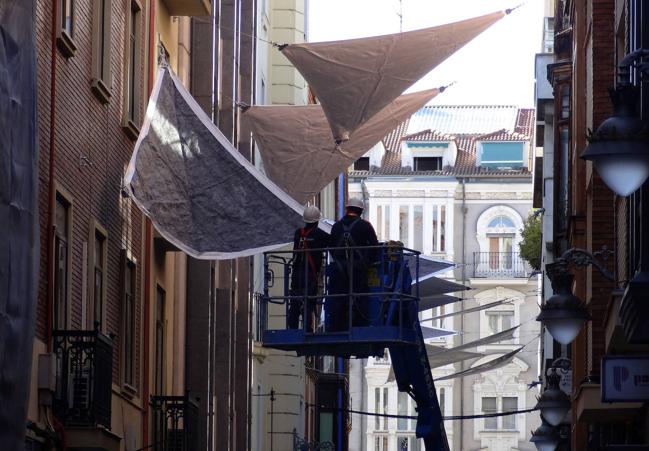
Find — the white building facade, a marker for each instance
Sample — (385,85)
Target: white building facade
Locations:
(455,183)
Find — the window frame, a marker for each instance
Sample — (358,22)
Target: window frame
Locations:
(159,350)
(129,262)
(101,84)
(418,160)
(132,69)
(501,164)
(97,230)
(64,37)
(66,199)
(499,421)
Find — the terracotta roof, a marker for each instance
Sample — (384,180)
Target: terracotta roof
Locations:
(520,127)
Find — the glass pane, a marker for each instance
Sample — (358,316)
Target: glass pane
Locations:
(435,228)
(442,400)
(98,305)
(507,321)
(493,322)
(489,406)
(509,405)
(377,444)
(386,225)
(418,228)
(403,224)
(377,406)
(326,427)
(442,226)
(402,443)
(385,408)
(379,222)
(61,220)
(402,409)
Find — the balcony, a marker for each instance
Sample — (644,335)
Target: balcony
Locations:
(84,363)
(175,423)
(499,265)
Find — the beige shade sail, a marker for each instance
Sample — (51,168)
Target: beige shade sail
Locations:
(296,147)
(355,79)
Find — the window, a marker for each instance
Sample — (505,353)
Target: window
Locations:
(383,222)
(381,406)
(402,409)
(500,252)
(159,341)
(501,222)
(377,405)
(65,33)
(62,222)
(128,320)
(381,443)
(101,49)
(489,405)
(99,279)
(404,220)
(133,71)
(427,163)
(439,311)
(502,155)
(362,164)
(408,443)
(499,321)
(439,226)
(418,228)
(509,405)
(442,400)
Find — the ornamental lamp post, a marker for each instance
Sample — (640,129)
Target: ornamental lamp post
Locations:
(619,148)
(546,437)
(554,404)
(564,314)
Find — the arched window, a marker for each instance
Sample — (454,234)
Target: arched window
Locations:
(501,222)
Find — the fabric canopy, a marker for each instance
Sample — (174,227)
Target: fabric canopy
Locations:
(495,338)
(355,79)
(296,148)
(469,310)
(439,356)
(434,332)
(484,367)
(430,302)
(433,286)
(198,190)
(428,266)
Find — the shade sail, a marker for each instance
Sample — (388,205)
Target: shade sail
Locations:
(484,367)
(434,332)
(433,286)
(297,150)
(446,357)
(428,266)
(19,241)
(495,338)
(200,193)
(355,79)
(430,302)
(469,310)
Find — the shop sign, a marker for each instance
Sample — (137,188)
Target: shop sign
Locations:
(625,378)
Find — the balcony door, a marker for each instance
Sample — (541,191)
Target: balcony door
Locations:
(500,252)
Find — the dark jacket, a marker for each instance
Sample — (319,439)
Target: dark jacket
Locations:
(362,234)
(311,238)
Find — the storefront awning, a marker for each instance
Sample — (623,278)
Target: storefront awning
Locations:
(198,190)
(296,147)
(355,79)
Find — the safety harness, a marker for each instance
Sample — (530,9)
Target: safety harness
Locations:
(304,245)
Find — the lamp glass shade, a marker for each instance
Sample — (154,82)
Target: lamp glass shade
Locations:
(554,415)
(564,330)
(548,444)
(623,174)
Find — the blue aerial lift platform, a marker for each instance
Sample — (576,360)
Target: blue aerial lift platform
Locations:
(384,315)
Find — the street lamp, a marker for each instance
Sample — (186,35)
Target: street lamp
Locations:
(619,148)
(545,438)
(554,404)
(564,314)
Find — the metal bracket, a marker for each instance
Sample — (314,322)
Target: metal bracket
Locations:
(583,258)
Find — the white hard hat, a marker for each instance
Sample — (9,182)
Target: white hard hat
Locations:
(311,214)
(355,202)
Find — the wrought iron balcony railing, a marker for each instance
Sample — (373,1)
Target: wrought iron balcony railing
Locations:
(175,423)
(499,265)
(84,360)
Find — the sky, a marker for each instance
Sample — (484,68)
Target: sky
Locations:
(495,68)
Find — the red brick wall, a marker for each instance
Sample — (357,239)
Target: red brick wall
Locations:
(86,127)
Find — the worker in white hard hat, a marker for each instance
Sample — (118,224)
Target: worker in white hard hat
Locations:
(351,231)
(305,270)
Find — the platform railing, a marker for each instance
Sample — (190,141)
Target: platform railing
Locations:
(349,274)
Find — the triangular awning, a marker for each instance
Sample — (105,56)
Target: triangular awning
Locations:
(469,310)
(498,362)
(198,190)
(355,79)
(446,357)
(435,332)
(434,286)
(296,147)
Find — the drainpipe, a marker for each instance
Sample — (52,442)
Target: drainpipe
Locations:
(463,270)
(148,243)
(50,186)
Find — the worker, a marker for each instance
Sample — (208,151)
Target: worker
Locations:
(350,266)
(306,267)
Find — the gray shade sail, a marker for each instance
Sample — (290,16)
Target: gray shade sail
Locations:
(434,286)
(495,338)
(438,356)
(491,365)
(199,191)
(428,266)
(427,303)
(355,79)
(469,310)
(297,150)
(435,332)
(19,240)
